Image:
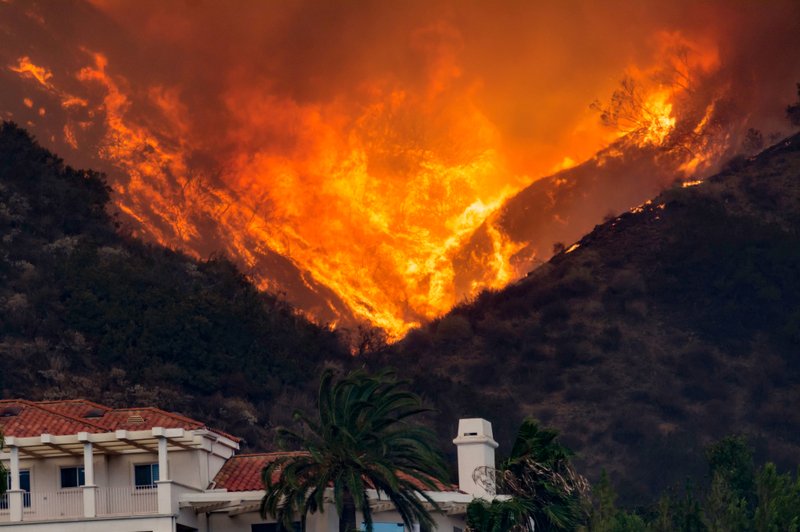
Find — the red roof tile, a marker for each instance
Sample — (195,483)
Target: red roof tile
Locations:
(243,473)
(22,418)
(76,408)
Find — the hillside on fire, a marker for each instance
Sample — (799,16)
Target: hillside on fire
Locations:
(88,312)
(665,328)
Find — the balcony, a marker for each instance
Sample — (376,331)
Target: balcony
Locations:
(126,501)
(69,504)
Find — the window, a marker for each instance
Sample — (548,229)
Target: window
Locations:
(72,477)
(273,527)
(24,485)
(145,476)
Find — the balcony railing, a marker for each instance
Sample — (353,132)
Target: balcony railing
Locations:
(126,501)
(49,505)
(68,504)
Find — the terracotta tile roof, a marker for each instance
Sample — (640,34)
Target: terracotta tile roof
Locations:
(147,418)
(22,418)
(76,408)
(243,473)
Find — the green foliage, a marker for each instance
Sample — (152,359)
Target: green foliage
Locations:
(539,469)
(605,516)
(499,515)
(731,467)
(778,506)
(724,510)
(361,438)
(546,493)
(738,499)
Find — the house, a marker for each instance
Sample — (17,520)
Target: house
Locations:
(78,466)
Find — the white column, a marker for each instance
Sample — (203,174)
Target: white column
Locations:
(163,464)
(163,483)
(14,468)
(15,493)
(89,488)
(88,463)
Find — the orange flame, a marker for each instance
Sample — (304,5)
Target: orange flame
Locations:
(372,199)
(24,67)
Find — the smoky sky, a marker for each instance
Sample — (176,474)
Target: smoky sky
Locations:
(533,66)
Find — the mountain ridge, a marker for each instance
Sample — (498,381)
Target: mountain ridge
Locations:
(661,330)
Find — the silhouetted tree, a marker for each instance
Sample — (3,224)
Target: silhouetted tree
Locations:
(793,110)
(753,141)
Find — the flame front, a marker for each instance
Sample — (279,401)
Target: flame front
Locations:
(373,201)
(374,189)
(380,215)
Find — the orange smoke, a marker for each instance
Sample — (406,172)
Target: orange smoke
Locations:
(373,201)
(366,150)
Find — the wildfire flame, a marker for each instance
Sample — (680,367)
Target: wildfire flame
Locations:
(375,194)
(395,238)
(25,68)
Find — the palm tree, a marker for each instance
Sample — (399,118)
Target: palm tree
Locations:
(360,440)
(546,493)
(499,515)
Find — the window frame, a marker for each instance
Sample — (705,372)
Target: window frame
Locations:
(80,477)
(153,477)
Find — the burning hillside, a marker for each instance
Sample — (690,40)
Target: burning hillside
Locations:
(378,165)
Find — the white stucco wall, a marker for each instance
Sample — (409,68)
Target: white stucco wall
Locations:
(127,524)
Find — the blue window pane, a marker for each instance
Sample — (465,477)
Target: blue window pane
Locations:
(145,475)
(24,480)
(24,485)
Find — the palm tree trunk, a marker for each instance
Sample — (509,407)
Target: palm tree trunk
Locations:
(347,519)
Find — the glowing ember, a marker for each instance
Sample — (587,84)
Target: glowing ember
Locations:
(658,119)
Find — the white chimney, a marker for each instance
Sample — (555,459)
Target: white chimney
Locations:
(475,450)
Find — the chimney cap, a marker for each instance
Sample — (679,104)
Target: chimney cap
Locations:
(475,430)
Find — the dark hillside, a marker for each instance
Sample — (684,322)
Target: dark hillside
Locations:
(662,330)
(86,312)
